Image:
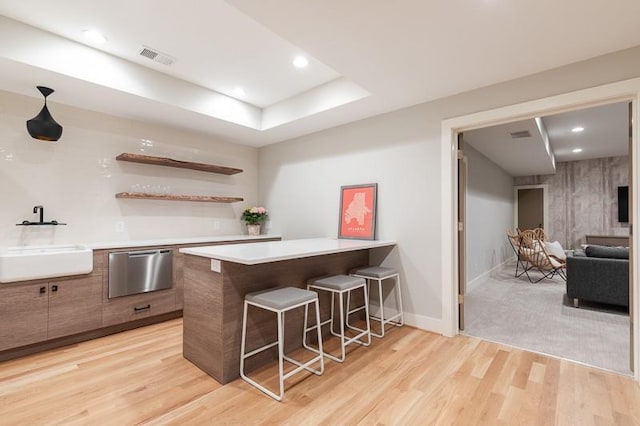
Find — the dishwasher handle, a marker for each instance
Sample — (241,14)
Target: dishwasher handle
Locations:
(147,253)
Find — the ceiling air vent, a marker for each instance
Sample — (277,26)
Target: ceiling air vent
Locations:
(156,56)
(520,134)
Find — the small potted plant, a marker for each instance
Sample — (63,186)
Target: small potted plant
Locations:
(253,217)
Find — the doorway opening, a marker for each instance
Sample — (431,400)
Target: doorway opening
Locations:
(626,92)
(530,206)
(524,297)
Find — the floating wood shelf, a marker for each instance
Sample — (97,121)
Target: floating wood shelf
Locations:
(170,162)
(172,197)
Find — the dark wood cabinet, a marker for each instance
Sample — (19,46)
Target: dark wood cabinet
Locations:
(75,306)
(41,311)
(23,314)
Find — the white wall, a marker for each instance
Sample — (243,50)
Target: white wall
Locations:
(299,180)
(489,214)
(77,178)
(300,184)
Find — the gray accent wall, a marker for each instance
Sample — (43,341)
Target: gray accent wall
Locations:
(489,214)
(583,198)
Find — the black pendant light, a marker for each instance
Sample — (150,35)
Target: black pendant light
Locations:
(43,126)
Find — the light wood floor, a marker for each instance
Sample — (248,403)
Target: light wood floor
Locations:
(410,377)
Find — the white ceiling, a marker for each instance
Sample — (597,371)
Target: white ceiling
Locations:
(519,157)
(605,134)
(215,45)
(366,57)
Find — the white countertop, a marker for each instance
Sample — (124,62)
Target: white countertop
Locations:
(273,251)
(173,241)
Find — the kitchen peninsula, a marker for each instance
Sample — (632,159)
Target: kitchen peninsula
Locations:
(217,278)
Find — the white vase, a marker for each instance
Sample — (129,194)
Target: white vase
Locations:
(254,230)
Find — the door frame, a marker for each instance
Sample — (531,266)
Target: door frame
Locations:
(622,91)
(545,202)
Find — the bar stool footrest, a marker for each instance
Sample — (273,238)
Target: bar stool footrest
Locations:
(260,349)
(302,366)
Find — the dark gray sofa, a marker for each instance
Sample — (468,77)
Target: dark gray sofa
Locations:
(599,274)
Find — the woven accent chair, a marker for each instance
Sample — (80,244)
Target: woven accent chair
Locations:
(532,249)
(539,234)
(516,241)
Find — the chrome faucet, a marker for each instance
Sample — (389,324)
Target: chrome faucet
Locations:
(35,210)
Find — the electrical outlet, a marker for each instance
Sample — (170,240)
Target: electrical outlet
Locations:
(216,225)
(119,227)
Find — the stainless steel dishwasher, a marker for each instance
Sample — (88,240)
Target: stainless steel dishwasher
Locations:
(136,272)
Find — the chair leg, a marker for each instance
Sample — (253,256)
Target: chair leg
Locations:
(563,273)
(365,306)
(320,351)
(366,314)
(279,343)
(243,341)
(525,268)
(332,313)
(319,329)
(306,321)
(526,271)
(399,301)
(280,355)
(382,317)
(342,336)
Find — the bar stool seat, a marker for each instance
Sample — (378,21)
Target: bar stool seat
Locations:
(339,285)
(338,282)
(380,274)
(281,300)
(376,272)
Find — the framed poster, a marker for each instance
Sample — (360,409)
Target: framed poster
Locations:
(358,211)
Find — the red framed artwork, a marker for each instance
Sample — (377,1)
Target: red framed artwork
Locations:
(358,211)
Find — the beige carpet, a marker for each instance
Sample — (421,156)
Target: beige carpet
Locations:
(538,317)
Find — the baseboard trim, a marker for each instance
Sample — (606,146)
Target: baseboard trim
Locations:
(477,280)
(425,323)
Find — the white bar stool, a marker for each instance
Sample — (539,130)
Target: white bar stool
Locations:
(339,285)
(281,300)
(379,274)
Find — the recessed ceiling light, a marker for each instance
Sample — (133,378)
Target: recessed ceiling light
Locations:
(94,36)
(300,62)
(576,150)
(577,129)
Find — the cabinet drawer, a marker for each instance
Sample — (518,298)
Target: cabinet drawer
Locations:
(131,308)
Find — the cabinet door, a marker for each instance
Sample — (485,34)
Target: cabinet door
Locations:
(23,315)
(74,306)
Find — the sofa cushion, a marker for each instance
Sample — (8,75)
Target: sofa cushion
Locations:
(607,252)
(579,253)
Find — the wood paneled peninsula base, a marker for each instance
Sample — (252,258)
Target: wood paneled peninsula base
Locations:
(216,280)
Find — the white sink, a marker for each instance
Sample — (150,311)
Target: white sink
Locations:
(35,262)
